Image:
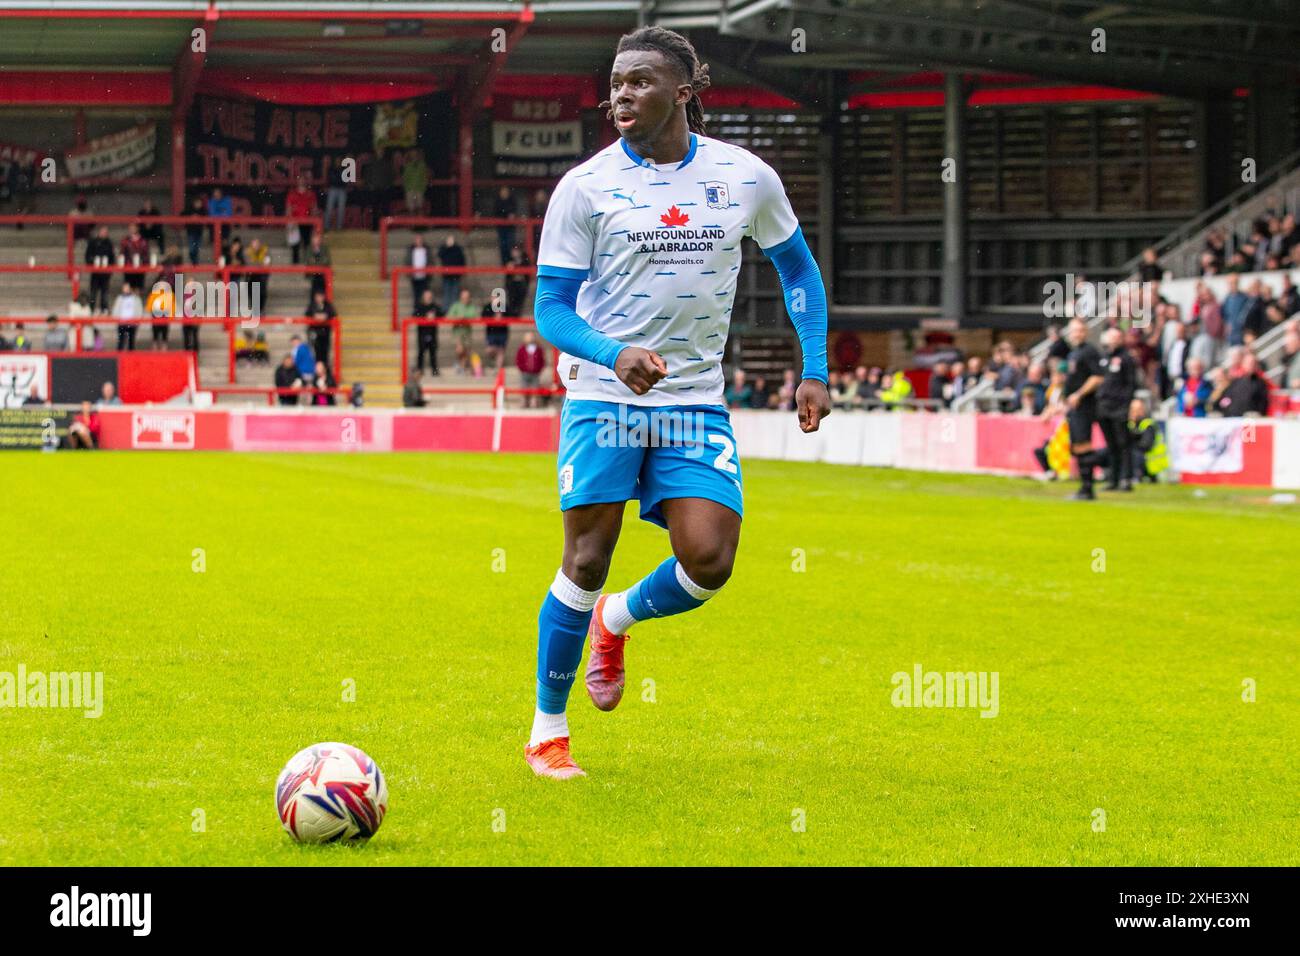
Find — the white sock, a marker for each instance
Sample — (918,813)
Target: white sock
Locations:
(615,615)
(548,727)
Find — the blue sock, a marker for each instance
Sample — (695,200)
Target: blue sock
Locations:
(561,632)
(665,590)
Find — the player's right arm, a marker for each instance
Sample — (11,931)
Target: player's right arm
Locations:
(563,264)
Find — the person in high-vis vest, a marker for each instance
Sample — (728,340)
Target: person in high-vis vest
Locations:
(1146,443)
(899,389)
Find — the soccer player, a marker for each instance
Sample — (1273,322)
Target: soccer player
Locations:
(637,272)
(1086,373)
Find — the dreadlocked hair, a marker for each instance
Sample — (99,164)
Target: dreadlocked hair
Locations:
(678,49)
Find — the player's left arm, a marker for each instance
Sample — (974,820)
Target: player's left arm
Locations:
(802,288)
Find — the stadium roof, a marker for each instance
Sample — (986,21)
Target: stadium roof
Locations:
(1181,47)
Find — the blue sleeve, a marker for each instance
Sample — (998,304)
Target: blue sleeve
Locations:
(559,323)
(799,273)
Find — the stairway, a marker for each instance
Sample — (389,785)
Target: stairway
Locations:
(372,352)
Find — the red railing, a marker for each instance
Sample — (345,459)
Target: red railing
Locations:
(530,227)
(399,271)
(70,223)
(229,323)
(272,392)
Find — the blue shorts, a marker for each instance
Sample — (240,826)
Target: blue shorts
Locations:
(611,451)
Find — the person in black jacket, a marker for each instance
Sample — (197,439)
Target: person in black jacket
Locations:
(1085,374)
(100,252)
(1247,393)
(1113,398)
(286,376)
(426,336)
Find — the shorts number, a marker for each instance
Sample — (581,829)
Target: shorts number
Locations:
(723,460)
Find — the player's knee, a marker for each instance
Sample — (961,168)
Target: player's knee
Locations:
(708,564)
(586,566)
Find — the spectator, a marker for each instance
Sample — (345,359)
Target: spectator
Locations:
(939,383)
(194,231)
(896,390)
(530,360)
(160,305)
(785,395)
(219,205)
(1035,385)
(1204,347)
(415,182)
(81,210)
(128,309)
(974,371)
(1246,393)
(191,299)
(497,337)
(740,391)
(1254,322)
(516,282)
(108,395)
(21,342)
(426,336)
(1173,358)
(956,385)
(1145,444)
(324,383)
(336,195)
(135,253)
(34,397)
(505,207)
(451,255)
(413,390)
(462,334)
(321,311)
(152,231)
(318,254)
(303,360)
(417,257)
(258,255)
(286,376)
(83,431)
(1236,305)
(1194,391)
(380,182)
(99,252)
(1150,269)
(56,337)
(299,205)
(1289,361)
(762,396)
(1289,298)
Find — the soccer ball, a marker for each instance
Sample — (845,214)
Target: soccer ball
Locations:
(331,792)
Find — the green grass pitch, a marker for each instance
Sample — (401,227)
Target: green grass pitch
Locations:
(1120,690)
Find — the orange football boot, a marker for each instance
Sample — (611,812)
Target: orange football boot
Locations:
(551,758)
(605,674)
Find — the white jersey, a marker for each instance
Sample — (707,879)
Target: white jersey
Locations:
(658,248)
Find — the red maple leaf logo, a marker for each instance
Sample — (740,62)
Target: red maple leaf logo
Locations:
(674,217)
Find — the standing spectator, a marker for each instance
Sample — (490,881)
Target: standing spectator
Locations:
(415,182)
(426,336)
(127,310)
(762,395)
(1204,347)
(259,255)
(785,394)
(286,376)
(379,181)
(417,257)
(336,195)
(325,384)
(303,360)
(1208,312)
(81,210)
(299,205)
(1150,269)
(56,337)
(191,296)
(505,207)
(517,282)
(1288,299)
(135,253)
(1289,361)
(99,252)
(497,336)
(530,360)
(1236,305)
(1174,358)
(194,232)
(161,305)
(956,386)
(219,207)
(740,392)
(451,255)
(318,254)
(462,308)
(152,231)
(1194,391)
(321,311)
(413,390)
(939,383)
(1247,393)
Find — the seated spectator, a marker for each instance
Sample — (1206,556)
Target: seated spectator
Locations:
(34,397)
(56,337)
(530,360)
(1246,393)
(1194,390)
(83,431)
(261,352)
(740,392)
(108,395)
(1146,446)
(413,390)
(288,376)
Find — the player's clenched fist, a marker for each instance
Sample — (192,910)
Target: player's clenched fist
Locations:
(813,402)
(639,369)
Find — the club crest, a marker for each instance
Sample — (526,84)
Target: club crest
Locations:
(716,195)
